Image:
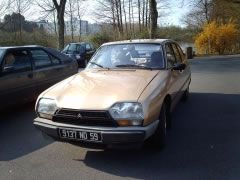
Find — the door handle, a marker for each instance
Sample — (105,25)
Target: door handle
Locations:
(30,75)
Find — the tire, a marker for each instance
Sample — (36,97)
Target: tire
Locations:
(158,140)
(185,95)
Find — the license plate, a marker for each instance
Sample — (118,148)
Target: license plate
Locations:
(80,135)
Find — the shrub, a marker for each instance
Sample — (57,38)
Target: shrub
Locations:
(100,38)
(217,38)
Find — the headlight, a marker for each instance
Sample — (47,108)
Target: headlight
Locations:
(127,114)
(46,108)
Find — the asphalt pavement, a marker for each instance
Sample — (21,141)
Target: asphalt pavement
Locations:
(204,142)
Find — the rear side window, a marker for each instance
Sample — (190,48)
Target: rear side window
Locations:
(41,58)
(17,61)
(181,52)
(177,54)
(171,60)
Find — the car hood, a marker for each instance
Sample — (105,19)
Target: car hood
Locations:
(100,89)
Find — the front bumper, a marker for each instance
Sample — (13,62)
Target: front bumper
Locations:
(110,135)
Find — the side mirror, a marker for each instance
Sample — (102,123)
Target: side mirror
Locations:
(179,67)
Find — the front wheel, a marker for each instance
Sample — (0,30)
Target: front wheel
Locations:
(159,137)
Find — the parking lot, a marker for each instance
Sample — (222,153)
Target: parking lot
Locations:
(203,143)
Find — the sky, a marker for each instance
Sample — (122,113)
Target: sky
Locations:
(173,14)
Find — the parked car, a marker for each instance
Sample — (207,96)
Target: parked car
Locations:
(82,52)
(124,96)
(28,70)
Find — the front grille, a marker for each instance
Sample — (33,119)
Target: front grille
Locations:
(82,117)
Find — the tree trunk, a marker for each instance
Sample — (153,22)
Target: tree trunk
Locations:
(60,16)
(139,15)
(113,15)
(146,14)
(55,24)
(153,18)
(61,27)
(129,16)
(80,21)
(120,15)
(71,20)
(125,17)
(133,21)
(143,14)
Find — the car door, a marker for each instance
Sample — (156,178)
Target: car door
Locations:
(174,76)
(187,71)
(183,74)
(48,69)
(17,83)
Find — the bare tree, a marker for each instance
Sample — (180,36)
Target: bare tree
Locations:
(4,6)
(105,11)
(225,10)
(70,12)
(146,12)
(111,11)
(60,7)
(199,14)
(48,10)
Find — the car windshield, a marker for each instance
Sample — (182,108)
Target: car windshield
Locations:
(73,48)
(134,56)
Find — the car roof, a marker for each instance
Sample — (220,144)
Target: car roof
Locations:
(78,43)
(143,41)
(27,46)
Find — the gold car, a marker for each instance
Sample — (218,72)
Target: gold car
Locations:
(124,96)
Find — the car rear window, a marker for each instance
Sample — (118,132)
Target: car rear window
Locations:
(74,48)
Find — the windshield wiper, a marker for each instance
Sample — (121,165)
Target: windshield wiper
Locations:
(133,66)
(96,64)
